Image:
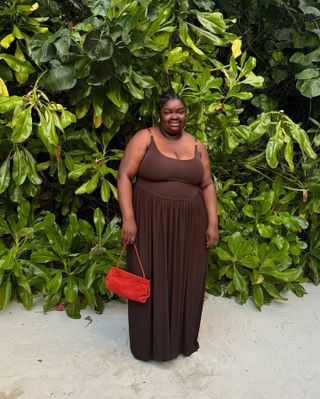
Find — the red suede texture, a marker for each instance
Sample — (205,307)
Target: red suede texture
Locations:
(128,285)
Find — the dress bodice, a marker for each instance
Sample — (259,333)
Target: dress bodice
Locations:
(158,167)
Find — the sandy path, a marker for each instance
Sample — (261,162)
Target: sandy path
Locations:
(244,354)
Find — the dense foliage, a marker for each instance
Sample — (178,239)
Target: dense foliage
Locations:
(77,78)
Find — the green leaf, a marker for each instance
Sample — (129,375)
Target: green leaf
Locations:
(303,140)
(255,81)
(308,73)
(79,171)
(99,221)
(97,7)
(236,244)
(314,270)
(21,77)
(206,36)
(286,276)
(98,46)
(248,211)
(73,310)
(223,254)
(100,73)
(5,293)
(260,126)
(22,126)
(213,22)
(258,296)
(297,289)
(47,133)
(9,103)
(90,276)
(264,102)
(19,167)
(16,64)
(88,293)
(72,230)
(25,297)
(242,95)
(8,260)
(71,290)
(62,174)
(104,190)
(112,231)
(23,283)
(146,82)
(51,301)
(288,154)
(60,78)
(272,290)
(54,284)
(25,232)
(274,145)
(306,59)
(239,280)
(265,231)
(248,67)
(114,94)
(67,118)
(86,230)
(266,203)
(5,174)
(4,229)
(31,168)
(23,213)
(43,255)
(39,271)
(309,88)
(89,186)
(186,39)
(176,56)
(135,91)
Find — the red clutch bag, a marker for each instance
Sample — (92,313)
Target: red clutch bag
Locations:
(126,284)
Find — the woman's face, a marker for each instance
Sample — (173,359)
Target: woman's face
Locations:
(173,116)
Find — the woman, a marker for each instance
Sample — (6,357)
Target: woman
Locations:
(171,216)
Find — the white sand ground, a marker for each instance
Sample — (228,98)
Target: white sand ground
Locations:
(244,354)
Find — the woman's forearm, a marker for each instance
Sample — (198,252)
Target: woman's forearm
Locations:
(210,200)
(125,197)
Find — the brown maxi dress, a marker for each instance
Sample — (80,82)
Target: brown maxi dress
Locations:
(172,220)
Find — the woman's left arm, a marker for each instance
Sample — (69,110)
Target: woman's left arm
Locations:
(210,198)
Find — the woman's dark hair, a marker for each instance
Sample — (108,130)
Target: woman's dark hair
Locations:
(169,96)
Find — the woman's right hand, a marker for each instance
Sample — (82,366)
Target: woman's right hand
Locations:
(129,231)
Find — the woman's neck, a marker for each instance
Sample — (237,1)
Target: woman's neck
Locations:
(170,136)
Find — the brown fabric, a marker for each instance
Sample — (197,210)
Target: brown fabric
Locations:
(172,219)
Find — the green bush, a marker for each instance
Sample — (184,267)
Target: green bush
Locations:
(75,81)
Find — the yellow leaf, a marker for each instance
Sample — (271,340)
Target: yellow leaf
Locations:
(19,54)
(3,89)
(17,32)
(34,6)
(7,40)
(236,48)
(22,78)
(97,120)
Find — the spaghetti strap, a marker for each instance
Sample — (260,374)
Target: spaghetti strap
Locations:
(150,131)
(196,150)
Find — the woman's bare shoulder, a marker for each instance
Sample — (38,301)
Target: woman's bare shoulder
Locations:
(141,137)
(194,139)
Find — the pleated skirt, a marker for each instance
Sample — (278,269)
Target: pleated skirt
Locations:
(172,220)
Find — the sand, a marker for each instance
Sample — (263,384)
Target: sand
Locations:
(244,354)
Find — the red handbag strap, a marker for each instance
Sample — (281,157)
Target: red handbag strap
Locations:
(123,250)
